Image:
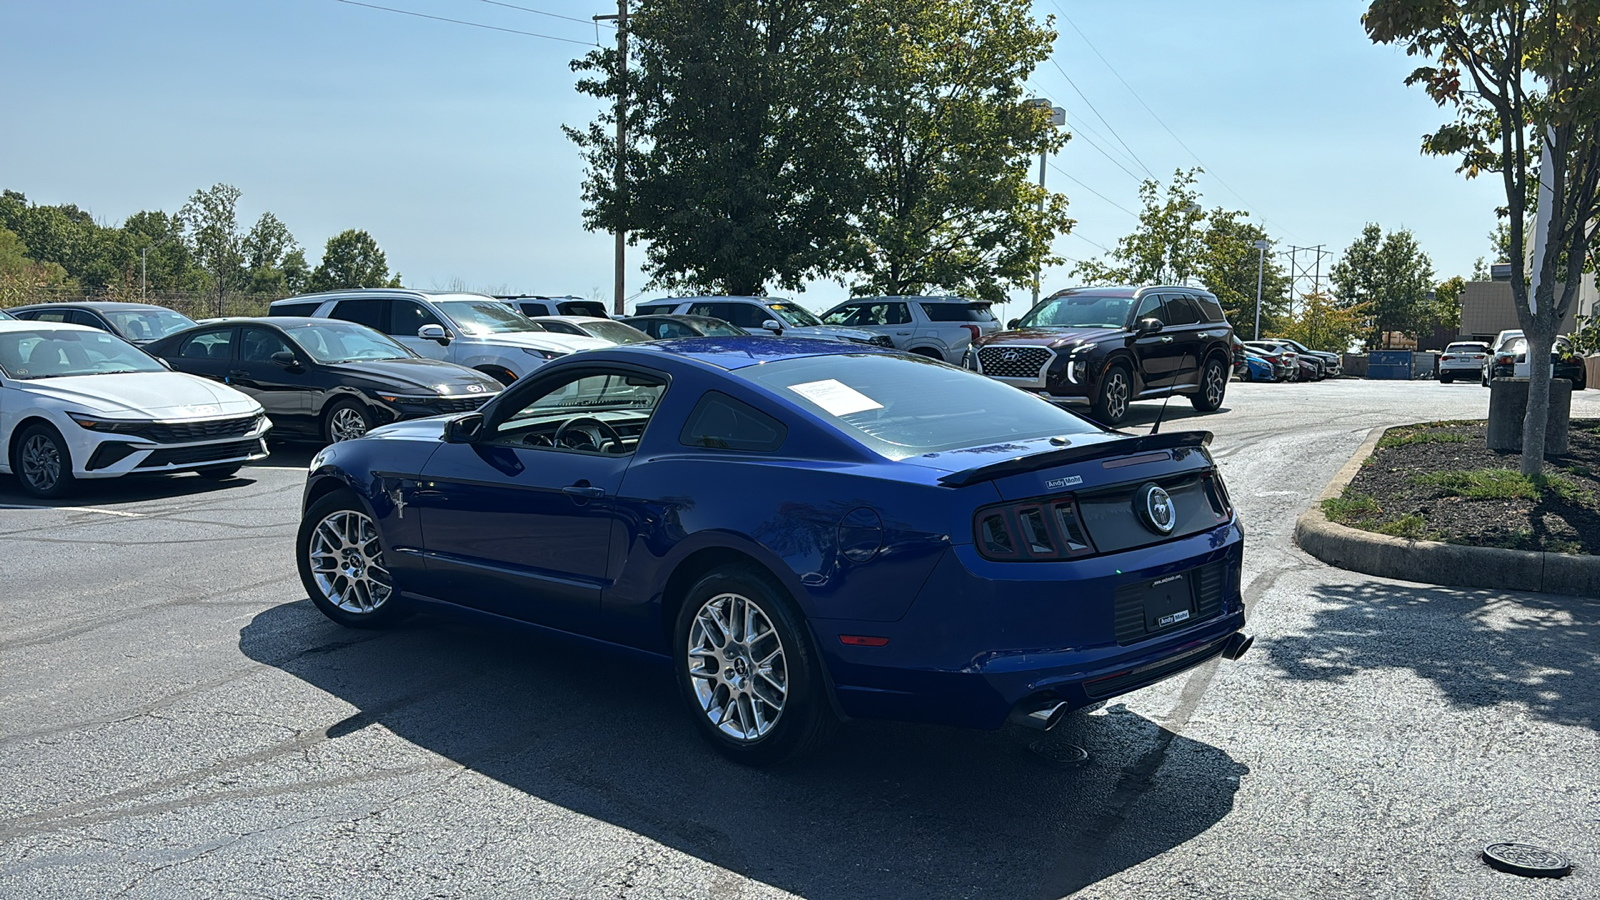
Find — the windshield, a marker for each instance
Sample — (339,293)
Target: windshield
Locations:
(480,317)
(616,331)
(56,354)
(905,406)
(335,342)
(147,324)
(793,315)
(1079,311)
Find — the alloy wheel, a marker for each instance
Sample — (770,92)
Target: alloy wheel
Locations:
(347,562)
(346,423)
(737,667)
(1215,384)
(1116,394)
(41,462)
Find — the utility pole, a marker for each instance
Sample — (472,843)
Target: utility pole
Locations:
(1058,117)
(618,179)
(1261,268)
(143,251)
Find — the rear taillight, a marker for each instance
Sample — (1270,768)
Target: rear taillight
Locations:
(1042,529)
(1217,496)
(972,330)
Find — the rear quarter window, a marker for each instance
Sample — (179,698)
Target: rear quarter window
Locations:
(1210,310)
(957,312)
(719,422)
(293,309)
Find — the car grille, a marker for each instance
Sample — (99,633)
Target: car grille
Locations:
(206,430)
(1013,362)
(1209,581)
(181,456)
(458,404)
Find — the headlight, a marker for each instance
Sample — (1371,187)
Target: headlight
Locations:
(407,398)
(98,423)
(544,354)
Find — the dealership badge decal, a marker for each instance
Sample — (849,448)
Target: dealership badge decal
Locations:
(1154,507)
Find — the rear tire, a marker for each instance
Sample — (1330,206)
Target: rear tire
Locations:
(1116,391)
(747,669)
(1445,377)
(342,566)
(42,463)
(1213,387)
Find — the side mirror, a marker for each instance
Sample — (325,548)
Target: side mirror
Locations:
(285,358)
(773,325)
(434,333)
(1148,326)
(463,430)
(165,363)
(1013,323)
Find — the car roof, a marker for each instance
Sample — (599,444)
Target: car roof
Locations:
(740,351)
(28,325)
(106,305)
(920,298)
(577,320)
(680,317)
(381,293)
(715,298)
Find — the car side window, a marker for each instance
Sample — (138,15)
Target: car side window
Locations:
(896,314)
(1210,309)
(206,345)
(1149,308)
(48,315)
(844,315)
(81,317)
(408,316)
(1180,310)
(719,422)
(602,412)
(258,345)
(371,313)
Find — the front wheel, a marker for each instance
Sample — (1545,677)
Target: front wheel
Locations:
(1111,401)
(342,566)
(747,669)
(42,463)
(345,421)
(1213,387)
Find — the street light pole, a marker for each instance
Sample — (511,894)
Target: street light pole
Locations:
(1058,117)
(620,253)
(1261,268)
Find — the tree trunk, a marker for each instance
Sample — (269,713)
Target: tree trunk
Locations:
(1540,340)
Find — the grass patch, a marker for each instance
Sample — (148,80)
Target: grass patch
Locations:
(1412,527)
(1501,484)
(1394,438)
(1351,508)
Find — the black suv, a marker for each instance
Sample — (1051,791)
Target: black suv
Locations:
(1113,345)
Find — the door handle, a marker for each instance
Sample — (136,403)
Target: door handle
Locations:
(238,373)
(584,491)
(1166,339)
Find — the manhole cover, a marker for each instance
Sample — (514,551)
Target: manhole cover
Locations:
(1059,752)
(1526,859)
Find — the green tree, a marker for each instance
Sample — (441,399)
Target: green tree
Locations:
(266,247)
(211,220)
(351,259)
(93,256)
(169,264)
(20,275)
(1390,277)
(947,146)
(1228,267)
(740,170)
(1524,81)
(1168,245)
(1445,309)
(1322,323)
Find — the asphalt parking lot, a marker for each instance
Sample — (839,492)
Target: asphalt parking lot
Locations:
(179,721)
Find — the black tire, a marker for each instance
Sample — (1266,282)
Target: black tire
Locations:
(1115,394)
(805,719)
(1213,387)
(1247,375)
(336,598)
(218,473)
(345,420)
(42,463)
(1485,377)
(1445,377)
(1582,381)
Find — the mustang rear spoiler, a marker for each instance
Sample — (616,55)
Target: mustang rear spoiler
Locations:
(1101,449)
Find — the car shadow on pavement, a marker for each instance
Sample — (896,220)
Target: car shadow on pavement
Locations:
(130,489)
(886,810)
(1479,648)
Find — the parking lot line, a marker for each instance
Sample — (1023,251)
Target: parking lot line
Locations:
(92,509)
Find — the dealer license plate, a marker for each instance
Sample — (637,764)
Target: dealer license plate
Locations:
(1168,602)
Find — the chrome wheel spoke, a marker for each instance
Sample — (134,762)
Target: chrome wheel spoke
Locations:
(346,562)
(736,666)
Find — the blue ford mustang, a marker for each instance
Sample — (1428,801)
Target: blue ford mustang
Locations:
(806,534)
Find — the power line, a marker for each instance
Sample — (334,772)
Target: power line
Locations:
(1102,119)
(406,12)
(540,12)
(1192,154)
(1113,159)
(1091,190)
(1082,238)
(1082,128)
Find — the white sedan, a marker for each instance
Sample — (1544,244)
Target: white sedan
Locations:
(78,403)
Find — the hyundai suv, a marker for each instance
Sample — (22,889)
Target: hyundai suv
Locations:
(1114,345)
(472,330)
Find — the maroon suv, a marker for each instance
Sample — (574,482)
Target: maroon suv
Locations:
(1114,345)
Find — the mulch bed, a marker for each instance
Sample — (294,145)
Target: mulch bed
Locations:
(1440,482)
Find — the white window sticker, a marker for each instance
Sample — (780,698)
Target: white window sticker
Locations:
(836,398)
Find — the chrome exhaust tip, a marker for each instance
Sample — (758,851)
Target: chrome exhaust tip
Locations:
(1044,717)
(1238,645)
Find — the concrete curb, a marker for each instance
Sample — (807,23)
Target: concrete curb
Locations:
(1434,562)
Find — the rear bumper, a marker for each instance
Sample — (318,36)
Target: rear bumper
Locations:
(984,638)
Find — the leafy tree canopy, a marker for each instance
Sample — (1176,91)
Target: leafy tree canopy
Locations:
(1390,276)
(351,259)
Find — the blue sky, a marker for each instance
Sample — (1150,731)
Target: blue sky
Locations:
(444,141)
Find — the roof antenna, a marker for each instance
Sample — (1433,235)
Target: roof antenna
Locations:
(1156,428)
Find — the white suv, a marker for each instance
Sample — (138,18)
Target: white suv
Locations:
(472,330)
(79,403)
(938,327)
(532,305)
